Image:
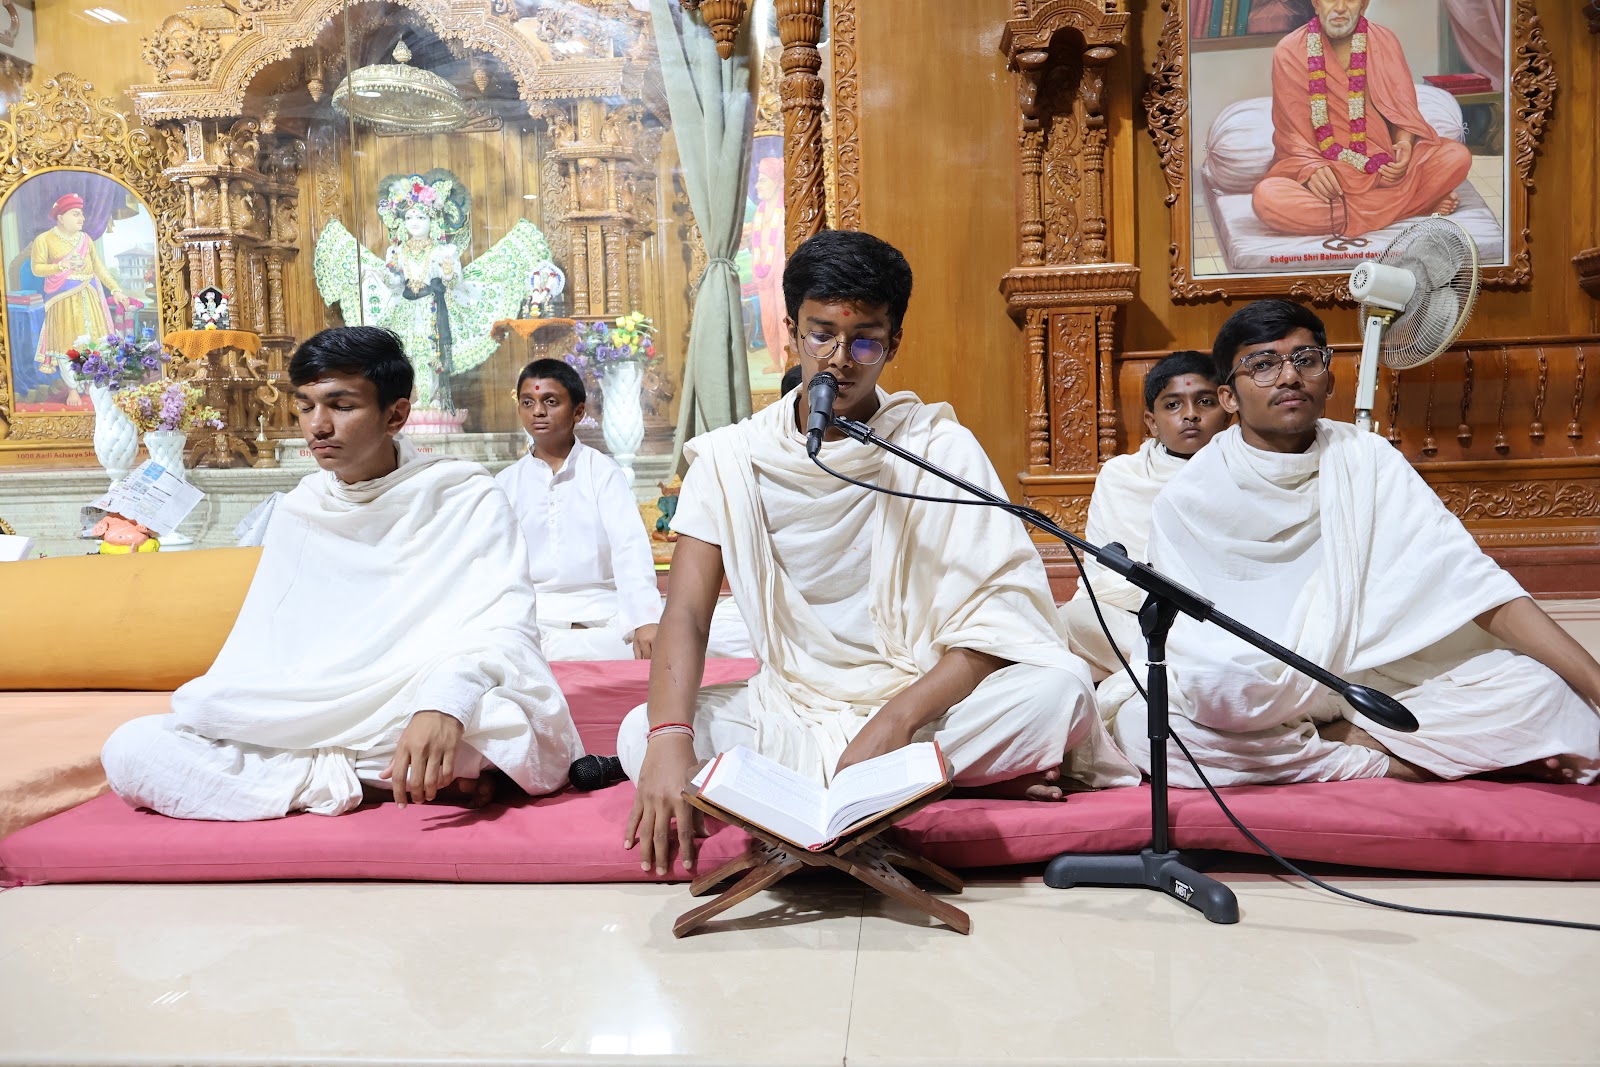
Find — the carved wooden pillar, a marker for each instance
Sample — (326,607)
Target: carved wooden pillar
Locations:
(607,179)
(1065,292)
(805,202)
(723,17)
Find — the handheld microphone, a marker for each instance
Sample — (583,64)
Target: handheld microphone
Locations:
(1381,708)
(819,398)
(589,773)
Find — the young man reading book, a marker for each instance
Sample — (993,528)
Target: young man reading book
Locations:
(381,649)
(594,577)
(1181,413)
(879,621)
(1325,539)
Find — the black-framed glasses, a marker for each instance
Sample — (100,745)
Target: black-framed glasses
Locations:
(1265,368)
(820,344)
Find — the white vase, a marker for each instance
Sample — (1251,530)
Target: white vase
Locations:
(622,414)
(116,440)
(166,448)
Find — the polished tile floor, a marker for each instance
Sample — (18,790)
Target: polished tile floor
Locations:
(818,973)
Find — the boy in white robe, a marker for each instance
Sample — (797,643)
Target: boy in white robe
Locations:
(1325,539)
(593,573)
(380,649)
(878,620)
(1181,413)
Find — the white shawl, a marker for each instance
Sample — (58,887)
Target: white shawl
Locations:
(379,599)
(1125,491)
(943,576)
(1343,553)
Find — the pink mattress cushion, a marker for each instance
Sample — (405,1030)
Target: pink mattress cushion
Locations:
(1468,827)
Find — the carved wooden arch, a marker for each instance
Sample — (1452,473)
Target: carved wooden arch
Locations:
(1032,30)
(272,31)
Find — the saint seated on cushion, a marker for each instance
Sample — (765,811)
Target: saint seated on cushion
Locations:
(1352,152)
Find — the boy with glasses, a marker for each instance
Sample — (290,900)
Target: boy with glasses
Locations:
(1325,539)
(878,620)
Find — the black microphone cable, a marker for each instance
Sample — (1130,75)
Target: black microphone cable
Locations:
(1022,509)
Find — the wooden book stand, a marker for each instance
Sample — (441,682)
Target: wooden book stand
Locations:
(860,854)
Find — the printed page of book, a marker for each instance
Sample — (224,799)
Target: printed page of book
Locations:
(768,794)
(882,783)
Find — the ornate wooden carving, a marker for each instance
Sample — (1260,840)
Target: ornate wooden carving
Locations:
(1063,290)
(63,124)
(846,116)
(723,17)
(1587,264)
(805,193)
(181,51)
(1532,90)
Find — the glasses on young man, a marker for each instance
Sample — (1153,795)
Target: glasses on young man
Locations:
(1265,368)
(819,344)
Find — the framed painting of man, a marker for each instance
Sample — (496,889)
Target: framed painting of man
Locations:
(79,252)
(1299,137)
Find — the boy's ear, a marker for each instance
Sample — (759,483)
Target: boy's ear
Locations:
(1149,424)
(1226,397)
(577,411)
(395,419)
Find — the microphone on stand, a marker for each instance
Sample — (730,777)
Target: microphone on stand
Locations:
(820,395)
(1381,708)
(589,773)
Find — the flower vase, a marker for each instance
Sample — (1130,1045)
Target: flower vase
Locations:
(166,450)
(116,440)
(622,414)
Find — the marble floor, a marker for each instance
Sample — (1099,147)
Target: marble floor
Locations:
(818,973)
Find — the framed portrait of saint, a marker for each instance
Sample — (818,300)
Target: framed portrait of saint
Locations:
(1318,130)
(79,250)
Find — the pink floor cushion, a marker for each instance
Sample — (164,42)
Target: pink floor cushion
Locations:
(1468,827)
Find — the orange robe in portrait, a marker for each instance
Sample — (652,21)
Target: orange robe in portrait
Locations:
(1437,166)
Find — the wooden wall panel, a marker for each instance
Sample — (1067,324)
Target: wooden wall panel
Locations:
(937,170)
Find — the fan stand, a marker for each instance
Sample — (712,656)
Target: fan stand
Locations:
(1378,321)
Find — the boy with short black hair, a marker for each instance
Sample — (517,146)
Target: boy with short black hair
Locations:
(593,573)
(1182,413)
(380,649)
(879,620)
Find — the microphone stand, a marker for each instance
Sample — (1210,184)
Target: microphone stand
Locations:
(1159,867)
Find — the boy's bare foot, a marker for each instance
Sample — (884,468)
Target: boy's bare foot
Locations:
(1552,769)
(1448,205)
(1041,785)
(471,793)
(1345,732)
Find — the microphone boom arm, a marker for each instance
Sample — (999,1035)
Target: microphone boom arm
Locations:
(1380,707)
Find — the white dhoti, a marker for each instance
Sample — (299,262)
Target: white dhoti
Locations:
(1013,724)
(372,602)
(854,596)
(173,770)
(1345,555)
(1125,490)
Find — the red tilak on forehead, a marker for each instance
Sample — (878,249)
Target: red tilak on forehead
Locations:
(846,312)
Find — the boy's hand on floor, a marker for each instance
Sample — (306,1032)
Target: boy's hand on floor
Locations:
(424,761)
(644,641)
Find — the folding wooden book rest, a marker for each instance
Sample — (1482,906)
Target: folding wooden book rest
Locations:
(859,854)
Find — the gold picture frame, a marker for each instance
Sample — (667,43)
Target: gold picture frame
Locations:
(1529,91)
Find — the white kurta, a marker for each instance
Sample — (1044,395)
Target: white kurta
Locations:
(372,601)
(854,595)
(589,554)
(1344,554)
(1119,510)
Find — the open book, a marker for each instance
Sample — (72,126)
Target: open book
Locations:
(811,816)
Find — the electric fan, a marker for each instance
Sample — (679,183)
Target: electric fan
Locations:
(1415,299)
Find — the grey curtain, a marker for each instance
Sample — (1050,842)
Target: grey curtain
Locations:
(712,111)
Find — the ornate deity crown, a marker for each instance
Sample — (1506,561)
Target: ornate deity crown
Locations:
(439,193)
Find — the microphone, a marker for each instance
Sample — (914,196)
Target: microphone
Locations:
(819,398)
(1381,708)
(589,773)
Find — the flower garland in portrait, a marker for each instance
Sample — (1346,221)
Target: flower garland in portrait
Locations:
(1353,154)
